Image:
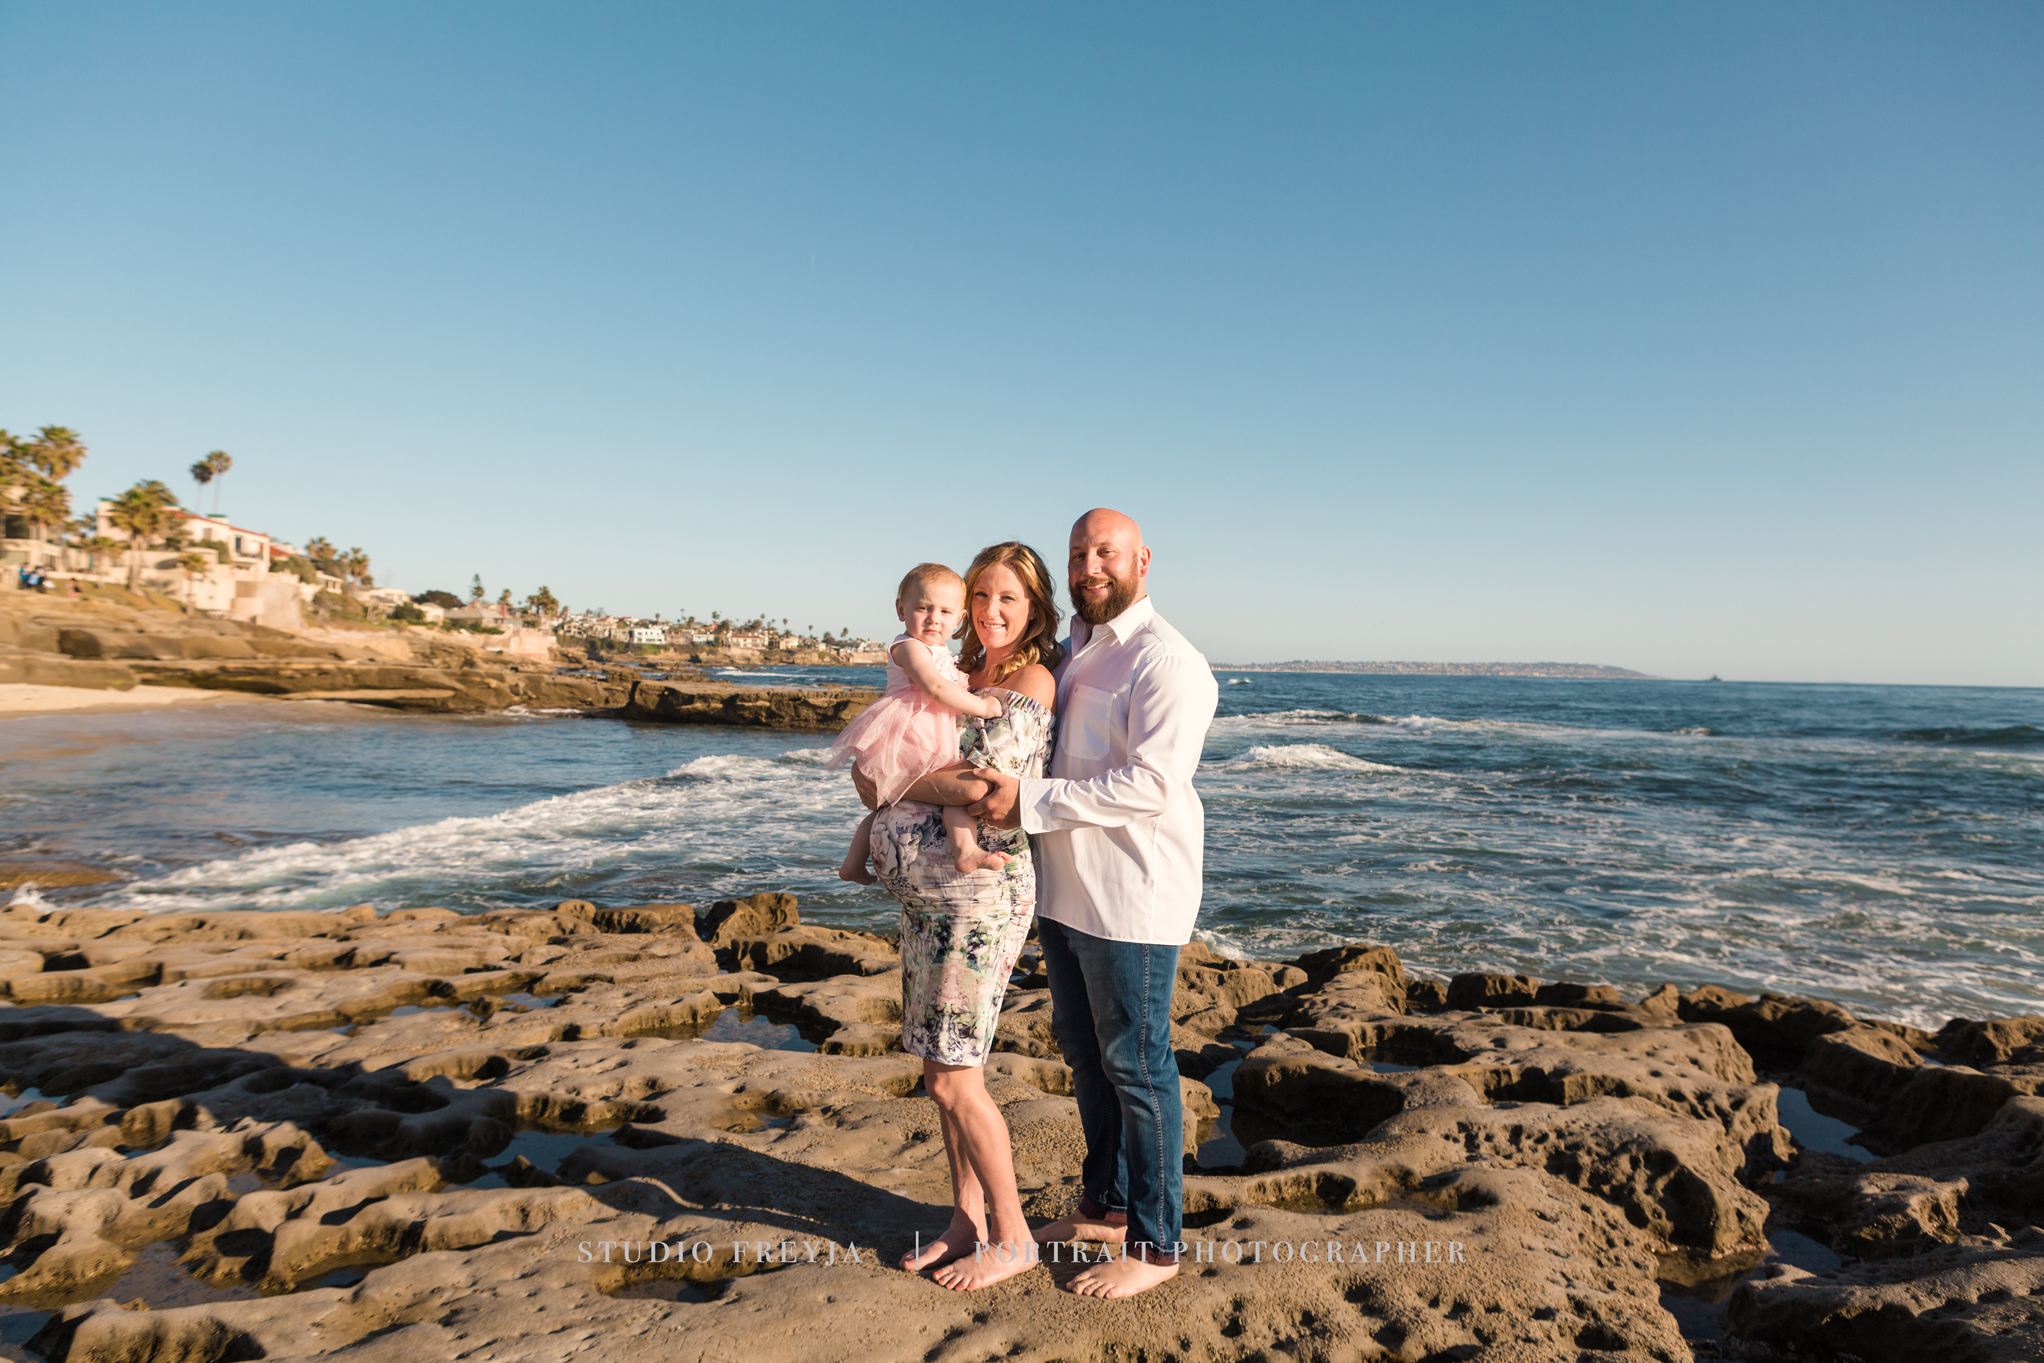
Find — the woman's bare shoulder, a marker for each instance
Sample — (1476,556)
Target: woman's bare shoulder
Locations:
(1033,681)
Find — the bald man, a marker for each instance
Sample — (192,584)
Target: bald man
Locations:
(1119,835)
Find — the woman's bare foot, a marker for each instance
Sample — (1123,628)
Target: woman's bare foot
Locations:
(1079,1226)
(856,872)
(974,859)
(987,1265)
(1122,1278)
(958,1238)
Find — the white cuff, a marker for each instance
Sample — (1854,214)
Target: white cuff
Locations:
(1029,803)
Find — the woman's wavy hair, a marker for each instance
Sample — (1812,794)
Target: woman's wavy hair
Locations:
(1039,642)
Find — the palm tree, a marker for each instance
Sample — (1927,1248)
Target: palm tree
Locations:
(101,546)
(145,511)
(220,461)
(355,564)
(44,502)
(324,556)
(202,474)
(56,450)
(31,471)
(195,565)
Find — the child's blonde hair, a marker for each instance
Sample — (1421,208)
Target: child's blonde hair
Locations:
(927,572)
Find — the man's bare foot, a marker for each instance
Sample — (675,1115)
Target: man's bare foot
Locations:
(973,859)
(1079,1226)
(1122,1278)
(958,1238)
(856,873)
(987,1265)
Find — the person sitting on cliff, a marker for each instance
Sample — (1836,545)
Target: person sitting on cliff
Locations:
(912,731)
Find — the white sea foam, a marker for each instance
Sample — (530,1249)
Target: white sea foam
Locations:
(1308,756)
(1564,851)
(741,817)
(725,767)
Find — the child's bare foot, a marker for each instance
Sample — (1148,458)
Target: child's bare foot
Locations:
(1122,1278)
(958,1238)
(856,872)
(987,1265)
(973,859)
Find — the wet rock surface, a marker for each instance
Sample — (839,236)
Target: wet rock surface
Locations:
(760,707)
(423,1134)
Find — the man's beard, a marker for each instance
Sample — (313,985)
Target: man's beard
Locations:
(1120,596)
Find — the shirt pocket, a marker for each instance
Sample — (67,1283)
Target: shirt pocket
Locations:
(1087,725)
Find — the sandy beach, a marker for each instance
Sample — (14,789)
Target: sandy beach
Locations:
(22,700)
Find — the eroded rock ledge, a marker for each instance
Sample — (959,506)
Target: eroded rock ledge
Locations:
(424,1135)
(101,647)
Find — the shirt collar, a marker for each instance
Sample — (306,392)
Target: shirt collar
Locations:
(1119,628)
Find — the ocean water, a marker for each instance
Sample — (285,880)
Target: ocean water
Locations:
(1879,846)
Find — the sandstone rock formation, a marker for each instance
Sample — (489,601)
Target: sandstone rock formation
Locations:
(422,1134)
(767,707)
(103,647)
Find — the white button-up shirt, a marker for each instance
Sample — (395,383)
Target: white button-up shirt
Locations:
(1119,831)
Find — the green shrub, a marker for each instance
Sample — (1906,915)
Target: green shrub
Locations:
(301,568)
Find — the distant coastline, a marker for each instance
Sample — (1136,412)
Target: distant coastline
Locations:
(1450,669)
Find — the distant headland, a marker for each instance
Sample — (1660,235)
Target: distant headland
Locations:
(1450,669)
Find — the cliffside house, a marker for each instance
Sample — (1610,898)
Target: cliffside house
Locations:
(388,598)
(650,634)
(746,639)
(479,613)
(238,582)
(26,544)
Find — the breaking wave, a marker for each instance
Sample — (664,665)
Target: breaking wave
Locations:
(1308,757)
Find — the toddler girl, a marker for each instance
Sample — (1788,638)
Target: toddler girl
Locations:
(913,729)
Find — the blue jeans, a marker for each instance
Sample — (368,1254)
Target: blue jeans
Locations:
(1111,1013)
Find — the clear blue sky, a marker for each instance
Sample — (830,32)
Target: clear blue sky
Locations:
(1691,338)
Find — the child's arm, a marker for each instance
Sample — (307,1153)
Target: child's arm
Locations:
(915,660)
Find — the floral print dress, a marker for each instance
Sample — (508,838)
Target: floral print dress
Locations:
(961,934)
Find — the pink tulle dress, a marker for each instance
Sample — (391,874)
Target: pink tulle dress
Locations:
(905,735)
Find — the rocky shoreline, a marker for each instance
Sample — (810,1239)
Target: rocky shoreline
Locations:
(423,1134)
(95,646)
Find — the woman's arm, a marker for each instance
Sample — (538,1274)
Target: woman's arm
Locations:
(952,786)
(915,660)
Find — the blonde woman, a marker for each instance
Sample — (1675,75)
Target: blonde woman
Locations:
(961,933)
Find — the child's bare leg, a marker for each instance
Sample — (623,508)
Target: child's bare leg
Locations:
(854,868)
(963,831)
